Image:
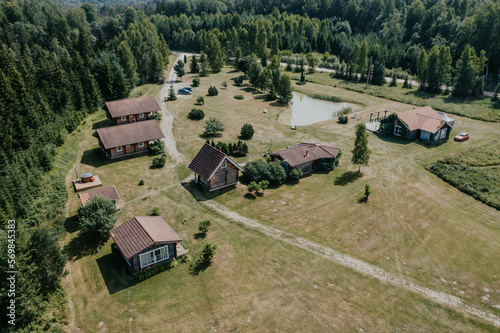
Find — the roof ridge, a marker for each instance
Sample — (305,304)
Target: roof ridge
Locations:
(128,99)
(216,149)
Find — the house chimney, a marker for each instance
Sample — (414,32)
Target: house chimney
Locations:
(307,152)
(220,149)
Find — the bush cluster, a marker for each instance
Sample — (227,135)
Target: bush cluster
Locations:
(295,174)
(196,114)
(212,91)
(238,149)
(239,97)
(196,81)
(158,162)
(247,132)
(155,269)
(157,147)
(204,226)
(343,120)
(97,216)
(260,170)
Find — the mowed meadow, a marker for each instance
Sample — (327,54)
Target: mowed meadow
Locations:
(414,225)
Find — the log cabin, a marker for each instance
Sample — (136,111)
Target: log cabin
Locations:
(146,241)
(131,110)
(129,139)
(213,169)
(307,157)
(424,124)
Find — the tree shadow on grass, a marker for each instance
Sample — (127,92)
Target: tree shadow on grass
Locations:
(114,272)
(363,199)
(198,267)
(200,235)
(94,157)
(249,196)
(102,123)
(83,245)
(347,177)
(71,224)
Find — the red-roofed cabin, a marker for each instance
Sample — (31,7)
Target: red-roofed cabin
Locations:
(131,110)
(424,124)
(146,241)
(213,169)
(129,139)
(307,157)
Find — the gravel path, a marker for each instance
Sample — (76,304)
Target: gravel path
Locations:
(356,264)
(167,120)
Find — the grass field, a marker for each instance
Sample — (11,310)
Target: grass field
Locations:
(471,108)
(475,172)
(415,225)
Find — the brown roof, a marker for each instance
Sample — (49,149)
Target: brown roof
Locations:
(306,152)
(106,191)
(132,106)
(425,118)
(131,133)
(140,232)
(208,159)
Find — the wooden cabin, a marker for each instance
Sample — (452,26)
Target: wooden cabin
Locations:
(213,169)
(106,191)
(308,157)
(424,124)
(131,110)
(129,139)
(146,241)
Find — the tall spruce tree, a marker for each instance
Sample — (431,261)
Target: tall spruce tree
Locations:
(361,152)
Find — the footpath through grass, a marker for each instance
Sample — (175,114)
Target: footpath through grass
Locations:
(471,108)
(475,172)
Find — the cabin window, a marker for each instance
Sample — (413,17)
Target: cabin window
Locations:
(154,256)
(397,130)
(124,118)
(141,115)
(141,144)
(443,132)
(425,135)
(119,148)
(224,164)
(128,146)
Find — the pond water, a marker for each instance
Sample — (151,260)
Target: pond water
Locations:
(307,110)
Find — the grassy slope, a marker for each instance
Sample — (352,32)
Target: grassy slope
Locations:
(258,284)
(471,108)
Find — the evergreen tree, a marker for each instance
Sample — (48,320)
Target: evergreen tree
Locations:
(194,67)
(378,73)
(361,152)
(422,69)
(285,89)
(101,43)
(203,65)
(171,93)
(394,80)
(179,69)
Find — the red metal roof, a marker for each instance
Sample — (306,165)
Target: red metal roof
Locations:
(107,191)
(132,106)
(131,133)
(140,232)
(306,152)
(208,159)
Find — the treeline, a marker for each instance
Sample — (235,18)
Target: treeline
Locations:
(54,70)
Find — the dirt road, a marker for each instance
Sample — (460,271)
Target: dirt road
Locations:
(356,264)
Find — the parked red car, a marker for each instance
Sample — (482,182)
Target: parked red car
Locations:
(462,137)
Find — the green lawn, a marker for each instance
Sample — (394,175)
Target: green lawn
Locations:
(471,108)
(415,225)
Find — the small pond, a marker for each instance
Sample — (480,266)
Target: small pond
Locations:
(307,110)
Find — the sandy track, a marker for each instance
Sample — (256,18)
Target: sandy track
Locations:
(167,120)
(356,264)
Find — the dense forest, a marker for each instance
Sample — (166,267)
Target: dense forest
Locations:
(60,62)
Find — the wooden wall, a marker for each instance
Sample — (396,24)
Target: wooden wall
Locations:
(131,118)
(136,263)
(222,177)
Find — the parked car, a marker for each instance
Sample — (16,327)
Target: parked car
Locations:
(462,137)
(184,92)
(188,88)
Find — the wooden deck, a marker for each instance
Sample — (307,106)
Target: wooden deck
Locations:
(85,186)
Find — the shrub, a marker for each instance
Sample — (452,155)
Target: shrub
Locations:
(200,100)
(155,211)
(224,84)
(185,258)
(97,216)
(158,162)
(253,186)
(239,97)
(343,120)
(196,114)
(212,91)
(156,115)
(299,83)
(171,94)
(157,147)
(295,174)
(196,81)
(367,192)
(203,226)
(141,182)
(208,253)
(247,131)
(238,81)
